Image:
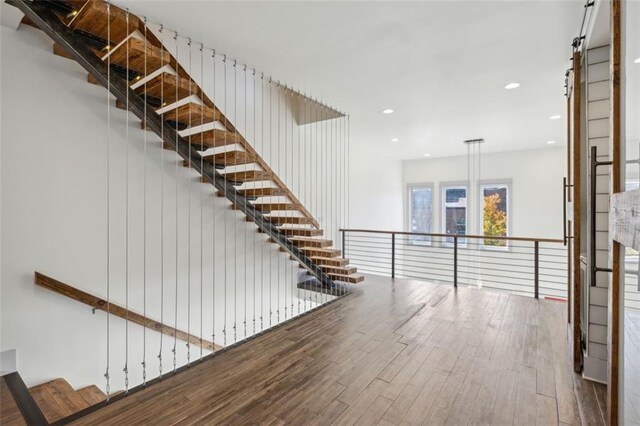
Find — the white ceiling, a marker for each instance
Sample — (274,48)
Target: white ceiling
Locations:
(441,66)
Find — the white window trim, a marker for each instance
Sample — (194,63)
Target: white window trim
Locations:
(411,186)
(494,182)
(443,216)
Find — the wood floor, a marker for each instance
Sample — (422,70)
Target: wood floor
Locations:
(394,352)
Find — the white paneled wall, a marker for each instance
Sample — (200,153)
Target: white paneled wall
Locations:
(597,133)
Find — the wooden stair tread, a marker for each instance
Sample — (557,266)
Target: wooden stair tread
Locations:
(305,232)
(247,176)
(92,394)
(329,261)
(191,114)
(134,48)
(215,138)
(340,270)
(165,89)
(323,252)
(94,19)
(262,192)
(351,279)
(10,414)
(283,206)
(230,158)
(295,220)
(57,399)
(311,242)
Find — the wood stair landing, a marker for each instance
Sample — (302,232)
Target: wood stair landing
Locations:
(57,399)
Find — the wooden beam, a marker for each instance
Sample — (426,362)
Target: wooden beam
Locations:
(613,331)
(576,96)
(114,309)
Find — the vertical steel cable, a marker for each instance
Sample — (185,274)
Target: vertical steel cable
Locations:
(235,242)
(255,105)
(161,206)
(213,212)
(144,228)
(291,266)
(201,93)
(244,227)
(287,182)
(175,334)
(299,189)
(348,172)
(224,228)
(317,172)
(189,185)
(126,251)
(108,359)
(262,152)
(271,161)
(344,182)
(279,172)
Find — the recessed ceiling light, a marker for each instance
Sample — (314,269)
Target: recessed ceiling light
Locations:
(427,155)
(551,142)
(512,86)
(387,111)
(394,140)
(637,61)
(555,117)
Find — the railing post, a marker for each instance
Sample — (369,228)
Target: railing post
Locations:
(393,255)
(455,261)
(344,245)
(536,261)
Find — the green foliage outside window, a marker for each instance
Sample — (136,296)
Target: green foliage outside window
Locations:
(494,221)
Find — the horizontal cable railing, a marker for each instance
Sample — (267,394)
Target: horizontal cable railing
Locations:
(534,267)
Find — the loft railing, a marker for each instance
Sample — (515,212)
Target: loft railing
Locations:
(529,266)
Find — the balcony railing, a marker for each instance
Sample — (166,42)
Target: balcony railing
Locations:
(534,267)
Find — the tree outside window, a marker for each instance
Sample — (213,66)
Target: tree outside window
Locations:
(495,214)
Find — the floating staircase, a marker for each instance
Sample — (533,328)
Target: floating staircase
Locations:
(80,32)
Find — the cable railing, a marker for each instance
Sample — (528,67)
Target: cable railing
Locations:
(534,267)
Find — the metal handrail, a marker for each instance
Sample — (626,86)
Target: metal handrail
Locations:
(480,237)
(455,243)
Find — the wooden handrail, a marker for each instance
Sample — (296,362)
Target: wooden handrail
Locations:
(480,237)
(114,309)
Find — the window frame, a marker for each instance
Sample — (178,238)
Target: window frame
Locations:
(410,187)
(443,210)
(495,183)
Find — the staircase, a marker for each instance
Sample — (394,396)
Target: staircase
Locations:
(55,400)
(79,30)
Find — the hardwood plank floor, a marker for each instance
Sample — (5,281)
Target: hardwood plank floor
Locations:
(395,352)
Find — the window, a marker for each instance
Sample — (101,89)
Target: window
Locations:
(420,212)
(454,211)
(495,214)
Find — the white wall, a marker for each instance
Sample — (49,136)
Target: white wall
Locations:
(376,188)
(536,187)
(53,216)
